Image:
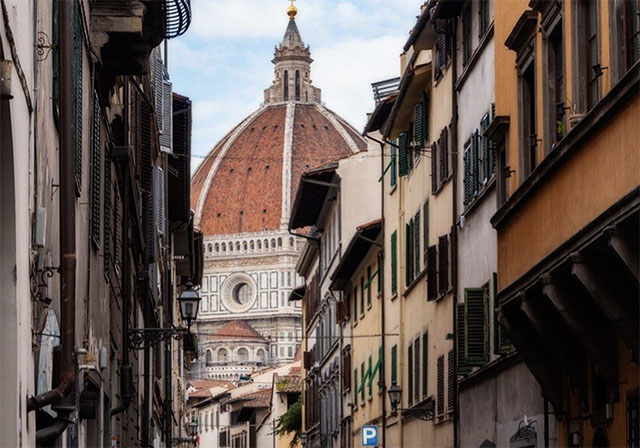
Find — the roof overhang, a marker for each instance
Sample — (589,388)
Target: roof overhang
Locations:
(297,293)
(380,114)
(447,9)
(312,193)
(361,242)
(412,88)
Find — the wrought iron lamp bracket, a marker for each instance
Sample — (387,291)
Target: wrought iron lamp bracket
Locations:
(182,440)
(143,338)
(44,47)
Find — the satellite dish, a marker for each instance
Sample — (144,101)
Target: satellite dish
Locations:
(47,339)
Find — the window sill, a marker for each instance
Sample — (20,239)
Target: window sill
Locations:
(486,189)
(414,282)
(475,56)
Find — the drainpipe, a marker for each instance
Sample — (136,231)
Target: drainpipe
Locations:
(126,375)
(62,394)
(382,311)
(454,230)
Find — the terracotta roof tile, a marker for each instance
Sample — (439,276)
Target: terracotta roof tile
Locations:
(237,329)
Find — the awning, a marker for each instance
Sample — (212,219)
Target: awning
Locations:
(310,197)
(357,249)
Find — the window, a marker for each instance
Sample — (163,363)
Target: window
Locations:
(55,59)
(432,273)
(379,272)
(408,252)
(466,35)
(78,59)
(555,92)
(425,230)
(393,176)
(416,369)
(631,19)
(355,304)
(394,364)
(528,122)
(355,386)
(410,374)
(370,376)
(107,212)
(362,380)
(440,161)
(361,295)
(425,362)
(243,354)
(96,168)
(346,368)
(443,55)
(403,154)
(297,85)
(501,341)
(419,126)
(394,262)
(443,264)
(285,87)
(483,17)
(591,56)
(416,245)
(440,391)
(222,354)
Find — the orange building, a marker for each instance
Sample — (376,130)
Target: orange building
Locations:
(566,129)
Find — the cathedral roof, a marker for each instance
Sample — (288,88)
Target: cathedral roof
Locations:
(238,330)
(248,180)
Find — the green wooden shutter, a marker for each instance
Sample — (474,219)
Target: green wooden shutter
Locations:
(476,329)
(380,271)
(425,362)
(426,103)
(393,177)
(410,374)
(394,364)
(77,76)
(362,295)
(355,386)
(425,230)
(96,170)
(362,381)
(370,377)
(394,262)
(432,273)
(407,253)
(440,389)
(492,144)
(416,245)
(106,228)
(416,369)
(434,168)
(486,158)
(403,155)
(451,381)
(369,279)
(474,163)
(418,124)
(467,175)
(461,341)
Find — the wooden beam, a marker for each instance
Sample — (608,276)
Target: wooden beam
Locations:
(590,330)
(625,250)
(535,355)
(563,345)
(612,304)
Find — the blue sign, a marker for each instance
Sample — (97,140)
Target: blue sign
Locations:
(369,435)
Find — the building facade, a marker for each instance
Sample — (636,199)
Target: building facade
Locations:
(250,255)
(90,237)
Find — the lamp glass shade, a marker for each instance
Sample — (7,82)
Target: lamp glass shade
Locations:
(395,392)
(193,427)
(189,304)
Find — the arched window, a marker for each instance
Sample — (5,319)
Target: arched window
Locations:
(231,247)
(237,245)
(297,85)
(252,245)
(243,354)
(291,242)
(259,245)
(266,244)
(260,355)
(273,243)
(217,247)
(224,247)
(279,242)
(244,245)
(223,355)
(209,358)
(210,247)
(285,86)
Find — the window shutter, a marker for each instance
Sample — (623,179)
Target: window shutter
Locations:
(443,147)
(355,386)
(157,78)
(425,230)
(492,145)
(162,204)
(394,162)
(362,295)
(451,381)
(461,329)
(416,244)
(425,109)
(407,253)
(441,54)
(486,162)
(166,135)
(394,262)
(434,168)
(78,78)
(418,124)
(440,391)
(410,374)
(394,364)
(144,145)
(474,163)
(466,35)
(443,264)
(425,362)
(483,12)
(467,175)
(106,228)
(370,375)
(416,368)
(369,280)
(355,304)
(362,381)
(432,273)
(403,155)
(96,170)
(476,330)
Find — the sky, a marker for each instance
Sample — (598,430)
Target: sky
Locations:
(223,62)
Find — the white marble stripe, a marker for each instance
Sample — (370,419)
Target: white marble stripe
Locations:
(287,154)
(338,126)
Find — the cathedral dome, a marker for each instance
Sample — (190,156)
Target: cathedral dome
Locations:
(248,181)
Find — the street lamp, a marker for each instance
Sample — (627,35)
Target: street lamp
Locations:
(189,301)
(424,412)
(193,427)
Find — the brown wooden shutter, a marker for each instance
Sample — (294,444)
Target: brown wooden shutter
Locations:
(441,54)
(416,368)
(432,273)
(461,329)
(410,375)
(440,391)
(451,381)
(443,264)
(434,168)
(425,230)
(425,362)
(416,244)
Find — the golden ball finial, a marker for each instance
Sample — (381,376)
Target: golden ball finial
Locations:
(292,10)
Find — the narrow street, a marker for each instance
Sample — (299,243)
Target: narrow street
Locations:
(320,224)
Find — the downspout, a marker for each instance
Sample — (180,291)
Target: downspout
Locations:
(62,394)
(454,229)
(381,256)
(168,377)
(126,374)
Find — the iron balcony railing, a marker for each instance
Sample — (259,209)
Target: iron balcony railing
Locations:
(177,17)
(384,89)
